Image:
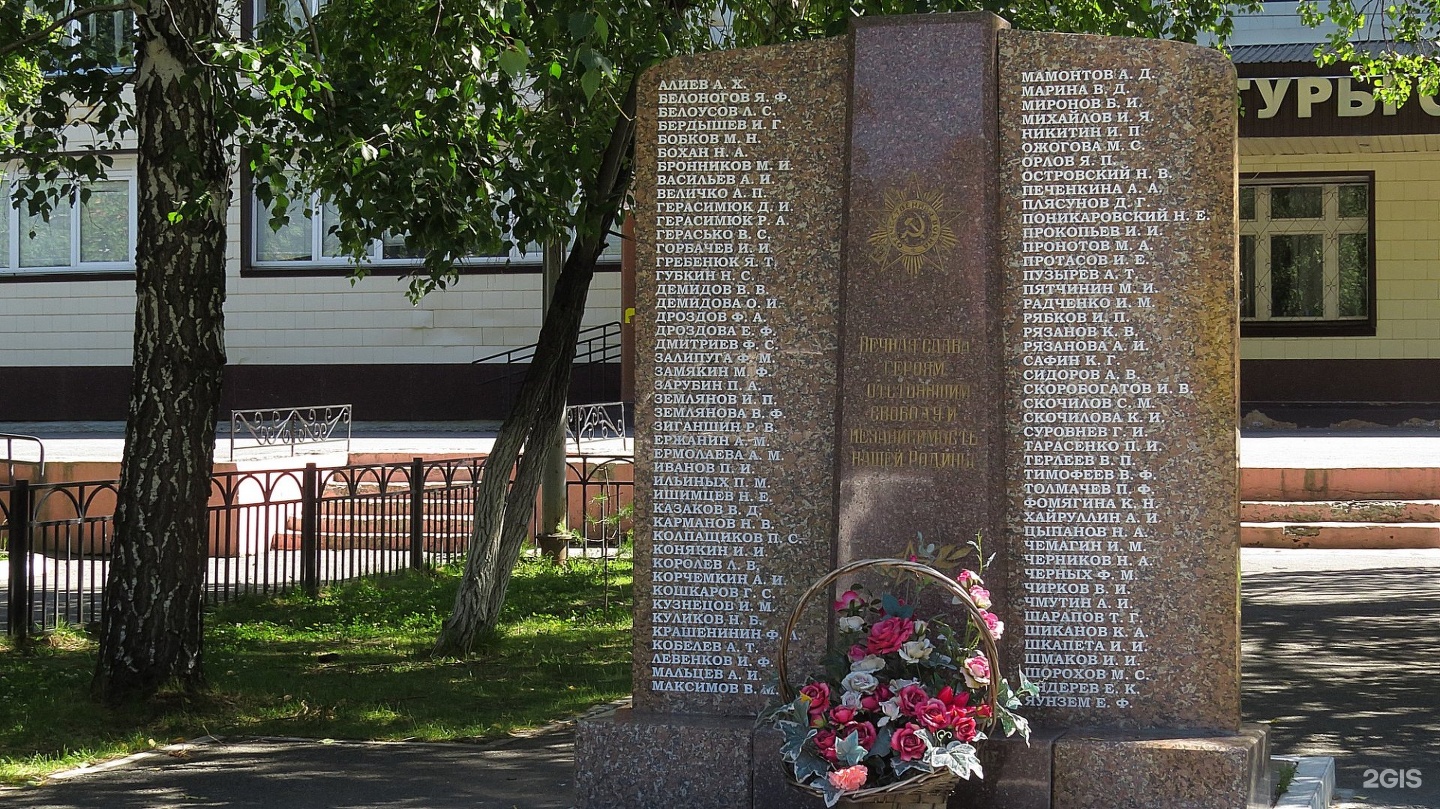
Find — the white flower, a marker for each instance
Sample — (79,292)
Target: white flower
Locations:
(916,650)
(851,623)
(891,709)
(868,663)
(861,681)
(897,685)
(850,699)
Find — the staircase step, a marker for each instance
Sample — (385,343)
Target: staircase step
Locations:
(1341,483)
(1334,535)
(1307,511)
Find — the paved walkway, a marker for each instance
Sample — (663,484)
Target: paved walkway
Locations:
(1341,650)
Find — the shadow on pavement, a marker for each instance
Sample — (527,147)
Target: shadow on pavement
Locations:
(1345,664)
(532,773)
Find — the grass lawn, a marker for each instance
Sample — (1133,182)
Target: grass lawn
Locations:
(353,663)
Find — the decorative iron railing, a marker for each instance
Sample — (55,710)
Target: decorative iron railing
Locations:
(602,421)
(32,458)
(289,427)
(278,530)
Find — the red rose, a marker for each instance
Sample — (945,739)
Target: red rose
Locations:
(910,746)
(883,692)
(963,726)
(889,635)
(825,740)
(871,702)
(841,714)
(951,699)
(819,694)
(933,715)
(864,733)
(911,698)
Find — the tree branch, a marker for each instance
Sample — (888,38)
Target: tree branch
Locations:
(77,14)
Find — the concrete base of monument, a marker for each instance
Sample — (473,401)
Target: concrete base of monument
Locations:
(632,760)
(1162,770)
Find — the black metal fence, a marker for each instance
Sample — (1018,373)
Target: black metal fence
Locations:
(277,530)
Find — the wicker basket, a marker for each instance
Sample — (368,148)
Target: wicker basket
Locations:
(928,791)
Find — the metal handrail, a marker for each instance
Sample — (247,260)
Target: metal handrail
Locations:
(585,348)
(293,426)
(10,460)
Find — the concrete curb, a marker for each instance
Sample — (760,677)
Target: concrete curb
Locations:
(1312,787)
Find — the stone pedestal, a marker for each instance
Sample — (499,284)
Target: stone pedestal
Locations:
(934,279)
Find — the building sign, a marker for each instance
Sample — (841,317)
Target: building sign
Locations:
(1328,106)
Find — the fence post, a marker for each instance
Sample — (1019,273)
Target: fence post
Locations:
(309,530)
(18,619)
(417,513)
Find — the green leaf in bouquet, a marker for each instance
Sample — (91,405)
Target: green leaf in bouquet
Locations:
(893,607)
(881,747)
(796,735)
(849,749)
(902,767)
(809,766)
(957,757)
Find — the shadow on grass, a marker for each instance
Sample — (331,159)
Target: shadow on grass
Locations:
(353,663)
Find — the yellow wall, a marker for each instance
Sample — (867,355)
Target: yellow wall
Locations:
(1407,248)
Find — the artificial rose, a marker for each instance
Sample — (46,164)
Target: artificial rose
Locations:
(897,685)
(857,652)
(913,651)
(934,715)
(869,702)
(908,745)
(825,740)
(819,695)
(888,635)
(848,598)
(953,699)
(840,714)
(850,778)
(977,671)
(868,663)
(968,578)
(891,709)
(851,699)
(862,681)
(851,623)
(864,733)
(911,698)
(981,597)
(997,626)
(963,726)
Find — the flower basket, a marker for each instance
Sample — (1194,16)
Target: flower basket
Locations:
(912,784)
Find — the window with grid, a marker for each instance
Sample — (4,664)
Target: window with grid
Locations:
(1307,256)
(91,230)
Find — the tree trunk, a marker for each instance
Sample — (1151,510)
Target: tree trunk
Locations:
(503,508)
(151,628)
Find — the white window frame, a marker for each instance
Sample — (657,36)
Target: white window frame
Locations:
(260,218)
(10,257)
(1329,225)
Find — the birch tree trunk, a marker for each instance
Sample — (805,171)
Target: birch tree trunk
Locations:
(151,628)
(504,505)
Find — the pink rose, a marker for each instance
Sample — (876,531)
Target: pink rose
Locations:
(850,778)
(969,577)
(870,702)
(905,742)
(997,626)
(889,635)
(846,599)
(981,597)
(977,671)
(841,714)
(857,652)
(912,697)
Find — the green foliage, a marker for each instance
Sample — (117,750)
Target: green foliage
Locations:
(1390,45)
(352,663)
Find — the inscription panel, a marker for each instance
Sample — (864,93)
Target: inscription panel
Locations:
(738,252)
(1120,320)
